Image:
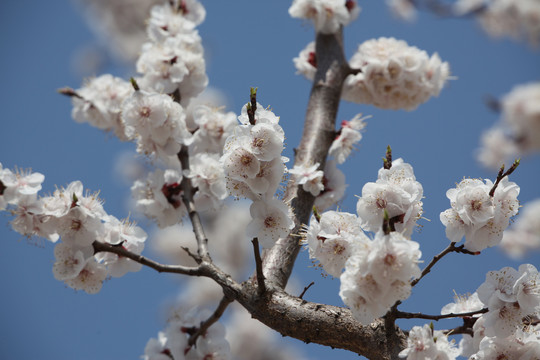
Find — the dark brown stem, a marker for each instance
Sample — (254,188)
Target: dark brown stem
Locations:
(407,315)
(502,174)
(261,286)
(187,197)
(120,251)
(201,330)
(451,248)
(306,289)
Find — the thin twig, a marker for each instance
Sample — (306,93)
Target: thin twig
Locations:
(306,289)
(201,330)
(261,286)
(451,248)
(121,251)
(187,198)
(407,315)
(502,174)
(69,92)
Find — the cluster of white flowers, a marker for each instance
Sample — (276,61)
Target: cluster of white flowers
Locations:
(519,130)
(78,220)
(397,192)
(377,272)
(173,342)
(254,169)
(394,75)
(159,197)
(347,137)
(424,343)
(306,62)
(477,215)
(213,128)
(507,330)
(519,19)
(309,177)
(524,235)
(99,103)
(157,122)
(174,59)
(327,15)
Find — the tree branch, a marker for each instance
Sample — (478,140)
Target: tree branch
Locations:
(407,315)
(318,135)
(201,330)
(322,324)
(187,198)
(120,251)
(451,248)
(261,286)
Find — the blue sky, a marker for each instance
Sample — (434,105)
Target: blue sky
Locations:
(248,43)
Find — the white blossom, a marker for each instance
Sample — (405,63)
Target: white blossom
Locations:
(424,343)
(309,177)
(214,127)
(306,62)
(348,136)
(332,240)
(506,18)
(207,174)
(174,18)
(99,103)
(159,197)
(90,278)
(394,75)
(157,122)
(478,216)
(397,192)
(271,220)
(327,15)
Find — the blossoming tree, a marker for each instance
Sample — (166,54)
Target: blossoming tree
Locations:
(200,155)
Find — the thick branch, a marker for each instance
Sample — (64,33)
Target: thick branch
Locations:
(319,132)
(120,251)
(322,324)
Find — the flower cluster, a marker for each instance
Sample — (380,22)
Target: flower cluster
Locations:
(396,192)
(99,103)
(377,272)
(479,215)
(507,330)
(159,197)
(426,343)
(157,122)
(519,130)
(77,219)
(505,18)
(309,177)
(173,342)
(174,60)
(327,15)
(394,75)
(378,275)
(254,168)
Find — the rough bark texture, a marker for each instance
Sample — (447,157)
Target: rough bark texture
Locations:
(319,132)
